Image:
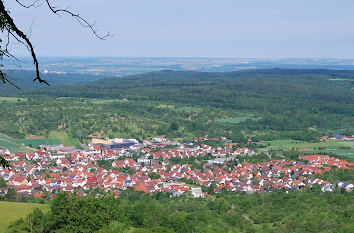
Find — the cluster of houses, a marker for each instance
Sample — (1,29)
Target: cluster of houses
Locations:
(149,167)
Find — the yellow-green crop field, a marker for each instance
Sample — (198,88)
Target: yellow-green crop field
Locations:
(12,211)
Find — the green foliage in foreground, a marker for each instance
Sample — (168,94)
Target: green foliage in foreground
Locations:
(310,211)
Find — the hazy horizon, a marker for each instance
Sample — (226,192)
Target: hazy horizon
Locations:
(231,29)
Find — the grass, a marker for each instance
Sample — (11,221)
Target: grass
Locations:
(236,120)
(104,101)
(341,131)
(185,109)
(34,143)
(12,144)
(26,145)
(63,138)
(12,99)
(338,79)
(12,211)
(288,144)
(330,146)
(165,106)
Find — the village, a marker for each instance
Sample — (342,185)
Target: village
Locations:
(159,165)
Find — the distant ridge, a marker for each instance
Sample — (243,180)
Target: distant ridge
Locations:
(24,79)
(166,83)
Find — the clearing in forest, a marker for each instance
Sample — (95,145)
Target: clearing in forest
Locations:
(64,138)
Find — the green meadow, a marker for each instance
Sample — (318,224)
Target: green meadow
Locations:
(12,99)
(236,120)
(334,146)
(185,109)
(12,211)
(61,137)
(34,143)
(30,144)
(13,144)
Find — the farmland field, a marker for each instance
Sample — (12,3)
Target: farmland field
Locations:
(12,99)
(12,144)
(185,109)
(288,144)
(104,101)
(62,138)
(236,120)
(25,145)
(34,143)
(334,146)
(12,211)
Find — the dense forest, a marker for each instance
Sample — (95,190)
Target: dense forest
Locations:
(309,211)
(275,91)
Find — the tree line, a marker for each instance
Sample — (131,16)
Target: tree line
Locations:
(309,211)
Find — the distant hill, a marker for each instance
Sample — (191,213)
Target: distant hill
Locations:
(217,87)
(123,66)
(24,79)
(270,90)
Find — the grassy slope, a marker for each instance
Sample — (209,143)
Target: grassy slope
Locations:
(64,138)
(12,211)
(22,145)
(12,144)
(36,142)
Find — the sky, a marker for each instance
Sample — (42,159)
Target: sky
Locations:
(193,28)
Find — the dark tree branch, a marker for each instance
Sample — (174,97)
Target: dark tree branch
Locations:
(11,28)
(34,4)
(8,24)
(14,28)
(4,79)
(83,22)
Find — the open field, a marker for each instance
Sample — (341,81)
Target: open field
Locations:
(341,131)
(26,145)
(12,144)
(185,109)
(12,99)
(236,120)
(104,101)
(347,153)
(62,138)
(333,146)
(165,106)
(12,211)
(288,144)
(34,143)
(338,79)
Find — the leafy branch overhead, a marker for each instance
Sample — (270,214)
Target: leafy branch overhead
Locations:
(9,28)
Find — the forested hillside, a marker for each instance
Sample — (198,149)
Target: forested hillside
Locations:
(262,104)
(282,99)
(310,211)
(269,91)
